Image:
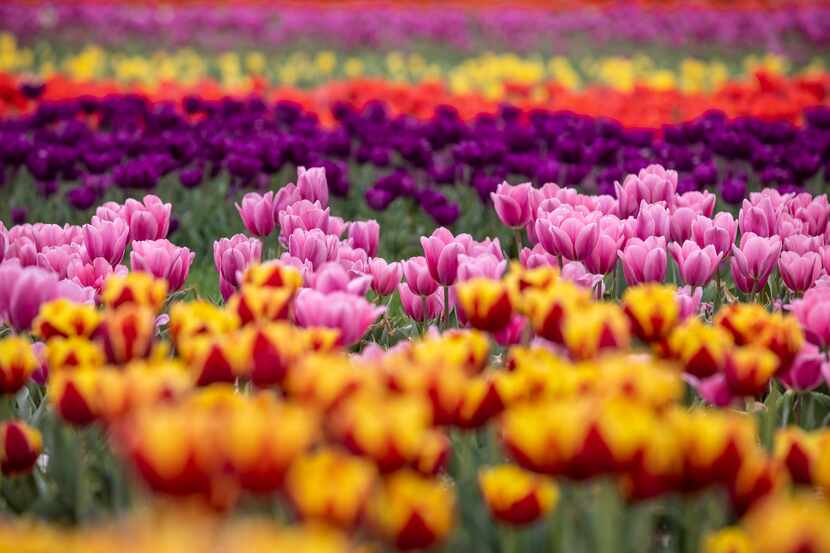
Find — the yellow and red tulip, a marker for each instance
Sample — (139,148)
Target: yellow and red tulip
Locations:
(20,446)
(701,349)
(67,319)
(516,496)
(189,319)
(599,327)
(261,303)
(134,288)
(273,274)
(484,303)
(17,363)
(72,353)
(797,451)
(221,358)
(748,370)
(652,309)
(127,332)
(74,394)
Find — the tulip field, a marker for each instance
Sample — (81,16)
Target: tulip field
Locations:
(346,277)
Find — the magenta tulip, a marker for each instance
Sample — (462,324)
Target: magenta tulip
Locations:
(148,219)
(421,308)
(350,314)
(312,185)
(162,259)
(385,276)
(813,312)
(696,265)
(257,213)
(538,257)
(806,372)
(753,261)
(568,233)
(31,288)
(231,256)
(313,246)
(418,276)
(441,251)
(94,273)
(514,204)
(332,277)
(799,272)
(680,224)
(702,203)
(644,260)
(486,265)
(365,235)
(718,232)
(652,184)
(107,239)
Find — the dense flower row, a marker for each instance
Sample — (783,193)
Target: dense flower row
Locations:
(519,28)
(129,143)
(490,74)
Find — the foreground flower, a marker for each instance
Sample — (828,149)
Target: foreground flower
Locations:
(513,204)
(31,288)
(65,318)
(789,524)
(652,309)
(484,303)
(702,349)
(148,219)
(137,288)
(20,446)
(411,511)
(421,308)
(515,496)
(17,363)
(599,327)
(257,213)
(232,256)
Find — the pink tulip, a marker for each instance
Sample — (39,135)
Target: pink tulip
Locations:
(352,259)
(759,218)
(538,257)
(576,272)
(813,211)
(512,333)
(257,213)
(351,315)
(653,184)
(799,272)
(385,276)
(697,265)
(801,244)
(332,277)
(553,196)
(568,233)
(824,252)
(307,215)
(689,300)
(312,185)
(719,232)
(231,256)
(806,372)
(421,308)
(787,225)
(148,219)
(644,260)
(651,220)
(475,248)
(365,235)
(94,273)
(715,390)
(441,251)
(56,259)
(285,196)
(486,265)
(418,276)
(753,261)
(3,241)
(813,312)
(76,293)
(162,259)
(109,211)
(48,235)
(702,203)
(226,289)
(680,224)
(10,271)
(313,246)
(31,288)
(107,239)
(513,204)
(24,250)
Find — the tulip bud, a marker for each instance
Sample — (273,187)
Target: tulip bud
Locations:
(515,496)
(702,349)
(64,318)
(74,395)
(485,303)
(412,512)
(748,370)
(17,363)
(127,332)
(342,501)
(73,353)
(134,288)
(261,304)
(601,326)
(797,451)
(273,274)
(20,446)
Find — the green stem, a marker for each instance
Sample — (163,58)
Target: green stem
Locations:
(517,237)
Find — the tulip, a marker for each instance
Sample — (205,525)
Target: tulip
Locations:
(801,244)
(652,184)
(412,512)
(351,315)
(512,334)
(307,216)
(759,218)
(275,348)
(484,399)
(259,452)
(718,232)
(568,234)
(421,308)
(163,260)
(602,326)
(365,235)
(652,309)
(56,259)
(218,359)
(148,219)
(326,380)
(696,265)
(64,318)
(813,313)
(332,277)
(680,224)
(385,276)
(644,260)
(20,447)
(73,353)
(702,203)
(789,523)
(482,266)
(753,261)
(341,503)
(261,304)
(24,250)
(134,288)
(515,496)
(799,272)
(273,274)
(231,256)
(17,363)
(312,185)
(257,213)
(797,451)
(748,370)
(714,389)
(32,288)
(419,277)
(441,251)
(652,220)
(434,453)
(188,319)
(94,273)
(702,349)
(758,479)
(575,272)
(806,371)
(74,395)
(4,241)
(313,246)
(514,204)
(484,303)
(689,300)
(127,332)
(549,309)
(107,239)
(538,257)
